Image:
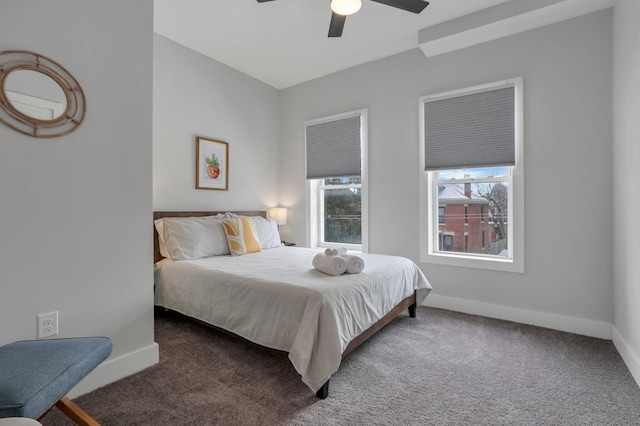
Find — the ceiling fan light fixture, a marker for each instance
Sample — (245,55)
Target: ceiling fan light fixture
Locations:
(345,7)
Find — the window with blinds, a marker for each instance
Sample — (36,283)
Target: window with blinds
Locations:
(471,143)
(335,154)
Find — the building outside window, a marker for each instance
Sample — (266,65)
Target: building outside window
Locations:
(462,200)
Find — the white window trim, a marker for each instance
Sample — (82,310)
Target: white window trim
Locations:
(312,211)
(428,208)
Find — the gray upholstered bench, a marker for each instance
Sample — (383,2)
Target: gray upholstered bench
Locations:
(35,375)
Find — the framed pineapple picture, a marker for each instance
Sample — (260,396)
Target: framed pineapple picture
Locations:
(212,164)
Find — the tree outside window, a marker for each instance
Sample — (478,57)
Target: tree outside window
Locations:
(342,212)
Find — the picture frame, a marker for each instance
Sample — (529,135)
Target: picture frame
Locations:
(212,164)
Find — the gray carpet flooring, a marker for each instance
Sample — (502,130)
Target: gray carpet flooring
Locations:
(442,368)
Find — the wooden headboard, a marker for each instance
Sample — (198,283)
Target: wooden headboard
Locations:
(158,215)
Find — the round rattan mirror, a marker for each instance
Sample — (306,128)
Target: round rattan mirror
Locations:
(38,97)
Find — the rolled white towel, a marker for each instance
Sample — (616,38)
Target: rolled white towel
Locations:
(339,251)
(330,265)
(355,264)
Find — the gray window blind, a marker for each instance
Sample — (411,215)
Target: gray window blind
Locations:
(474,130)
(333,148)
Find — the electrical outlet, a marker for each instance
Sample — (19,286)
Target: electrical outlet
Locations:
(47,325)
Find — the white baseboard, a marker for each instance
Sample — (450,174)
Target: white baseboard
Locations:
(116,369)
(569,324)
(627,354)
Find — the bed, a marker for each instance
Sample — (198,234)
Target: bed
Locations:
(274,297)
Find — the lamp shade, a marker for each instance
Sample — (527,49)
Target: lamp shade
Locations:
(345,7)
(279,214)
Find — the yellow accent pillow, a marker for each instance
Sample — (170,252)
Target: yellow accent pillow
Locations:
(241,236)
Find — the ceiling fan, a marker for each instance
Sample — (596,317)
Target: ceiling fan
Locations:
(340,9)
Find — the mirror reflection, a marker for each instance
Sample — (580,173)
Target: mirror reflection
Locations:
(35,94)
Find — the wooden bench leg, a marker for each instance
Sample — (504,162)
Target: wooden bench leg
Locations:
(323,392)
(75,413)
(412,310)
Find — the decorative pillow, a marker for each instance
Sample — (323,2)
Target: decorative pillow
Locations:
(194,237)
(267,231)
(241,236)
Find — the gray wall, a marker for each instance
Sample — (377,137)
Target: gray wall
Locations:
(197,96)
(567,70)
(75,234)
(626,176)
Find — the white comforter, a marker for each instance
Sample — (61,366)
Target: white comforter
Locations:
(276,299)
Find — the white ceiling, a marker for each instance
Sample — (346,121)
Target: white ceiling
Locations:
(284,42)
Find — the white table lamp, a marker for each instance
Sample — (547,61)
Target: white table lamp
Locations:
(279,214)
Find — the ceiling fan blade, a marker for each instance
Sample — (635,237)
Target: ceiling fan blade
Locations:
(415,6)
(263,1)
(336,25)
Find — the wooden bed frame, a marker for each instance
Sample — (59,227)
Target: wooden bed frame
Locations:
(408,303)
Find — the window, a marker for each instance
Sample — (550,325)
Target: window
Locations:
(475,189)
(336,176)
(341,204)
(471,189)
(441,210)
(447,242)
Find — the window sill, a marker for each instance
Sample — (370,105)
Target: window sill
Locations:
(489,263)
(350,247)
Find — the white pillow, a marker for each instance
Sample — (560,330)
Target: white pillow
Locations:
(159,227)
(229,215)
(267,230)
(162,245)
(194,237)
